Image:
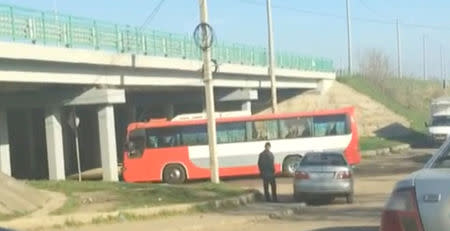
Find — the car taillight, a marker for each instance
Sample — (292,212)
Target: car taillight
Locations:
(301,175)
(401,212)
(343,175)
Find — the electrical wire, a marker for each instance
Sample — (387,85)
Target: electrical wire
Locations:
(361,19)
(152,15)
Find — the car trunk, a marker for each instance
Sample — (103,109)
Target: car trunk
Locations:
(323,172)
(433,198)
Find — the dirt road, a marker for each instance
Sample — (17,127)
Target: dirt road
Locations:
(374,180)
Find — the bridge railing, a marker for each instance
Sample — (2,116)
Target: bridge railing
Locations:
(48,28)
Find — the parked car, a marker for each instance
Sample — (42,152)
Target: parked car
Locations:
(325,174)
(421,201)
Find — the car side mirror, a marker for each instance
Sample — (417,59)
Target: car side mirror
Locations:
(129,147)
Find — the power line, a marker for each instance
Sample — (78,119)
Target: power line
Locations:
(360,19)
(152,15)
(365,5)
(295,9)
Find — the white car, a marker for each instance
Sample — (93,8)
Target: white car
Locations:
(421,201)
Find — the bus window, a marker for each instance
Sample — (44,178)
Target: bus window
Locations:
(231,132)
(330,125)
(137,141)
(295,127)
(162,138)
(265,130)
(194,135)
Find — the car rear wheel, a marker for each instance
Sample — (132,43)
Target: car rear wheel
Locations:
(350,198)
(290,164)
(174,174)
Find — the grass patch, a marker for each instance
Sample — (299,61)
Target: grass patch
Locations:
(5,217)
(406,97)
(371,143)
(126,195)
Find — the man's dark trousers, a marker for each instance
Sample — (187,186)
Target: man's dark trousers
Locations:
(273,184)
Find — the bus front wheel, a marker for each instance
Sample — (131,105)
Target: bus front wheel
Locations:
(290,164)
(174,174)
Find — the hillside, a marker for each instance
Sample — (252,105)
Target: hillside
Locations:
(407,97)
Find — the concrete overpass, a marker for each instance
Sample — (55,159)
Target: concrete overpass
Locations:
(50,70)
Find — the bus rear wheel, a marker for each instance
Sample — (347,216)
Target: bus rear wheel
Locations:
(174,174)
(290,164)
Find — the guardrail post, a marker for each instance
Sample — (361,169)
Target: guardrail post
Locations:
(137,41)
(95,36)
(144,43)
(154,42)
(184,48)
(69,33)
(121,43)
(65,36)
(227,54)
(13,26)
(252,56)
(240,55)
(127,38)
(164,41)
(44,31)
(116,28)
(30,30)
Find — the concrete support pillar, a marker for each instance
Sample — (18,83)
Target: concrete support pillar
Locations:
(247,106)
(55,146)
(108,150)
(325,85)
(5,160)
(169,110)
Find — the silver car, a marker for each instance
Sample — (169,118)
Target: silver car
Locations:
(421,201)
(323,174)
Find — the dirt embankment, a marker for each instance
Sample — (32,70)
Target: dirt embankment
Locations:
(18,198)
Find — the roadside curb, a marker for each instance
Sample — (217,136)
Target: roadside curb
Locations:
(288,212)
(386,151)
(78,219)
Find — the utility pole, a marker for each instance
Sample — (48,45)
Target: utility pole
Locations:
(209,95)
(424,58)
(273,81)
(442,61)
(399,53)
(349,38)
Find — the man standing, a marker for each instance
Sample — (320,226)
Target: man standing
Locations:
(266,166)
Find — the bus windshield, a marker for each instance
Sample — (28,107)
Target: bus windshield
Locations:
(441,121)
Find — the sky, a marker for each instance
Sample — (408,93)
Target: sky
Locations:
(305,27)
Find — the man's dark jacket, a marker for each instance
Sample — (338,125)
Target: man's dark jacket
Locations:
(266,164)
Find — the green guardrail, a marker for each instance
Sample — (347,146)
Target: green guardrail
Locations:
(48,28)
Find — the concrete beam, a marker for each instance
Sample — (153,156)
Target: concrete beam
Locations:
(5,160)
(67,97)
(236,95)
(98,96)
(108,148)
(18,51)
(55,147)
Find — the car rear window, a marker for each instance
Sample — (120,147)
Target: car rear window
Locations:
(325,159)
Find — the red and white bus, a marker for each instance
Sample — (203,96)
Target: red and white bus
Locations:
(177,150)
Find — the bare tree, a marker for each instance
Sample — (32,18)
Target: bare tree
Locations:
(375,65)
